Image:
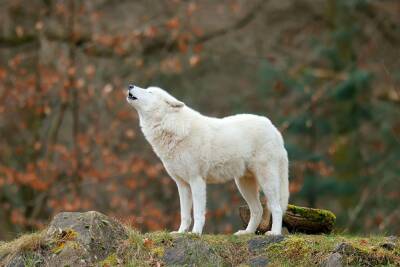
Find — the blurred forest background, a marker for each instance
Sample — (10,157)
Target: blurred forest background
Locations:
(326,72)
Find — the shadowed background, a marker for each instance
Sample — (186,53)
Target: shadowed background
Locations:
(326,72)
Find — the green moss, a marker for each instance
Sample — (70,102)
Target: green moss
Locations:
(111,260)
(135,238)
(158,251)
(313,214)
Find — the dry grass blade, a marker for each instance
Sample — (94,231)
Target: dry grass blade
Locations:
(29,242)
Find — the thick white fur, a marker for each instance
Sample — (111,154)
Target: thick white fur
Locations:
(196,149)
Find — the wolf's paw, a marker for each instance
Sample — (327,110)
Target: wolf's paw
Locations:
(177,232)
(243,232)
(272,233)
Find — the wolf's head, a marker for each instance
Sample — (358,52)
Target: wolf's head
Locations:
(156,107)
(152,100)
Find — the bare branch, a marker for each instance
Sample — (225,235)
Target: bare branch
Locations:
(14,41)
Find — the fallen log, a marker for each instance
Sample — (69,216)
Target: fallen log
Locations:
(296,220)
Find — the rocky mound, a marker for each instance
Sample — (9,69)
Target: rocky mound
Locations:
(72,239)
(93,239)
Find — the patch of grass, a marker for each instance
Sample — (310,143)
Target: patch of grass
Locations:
(163,238)
(233,249)
(23,245)
(139,249)
(32,259)
(27,242)
(135,239)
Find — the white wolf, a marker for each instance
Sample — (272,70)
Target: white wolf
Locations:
(196,150)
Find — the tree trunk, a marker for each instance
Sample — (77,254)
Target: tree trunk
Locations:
(296,219)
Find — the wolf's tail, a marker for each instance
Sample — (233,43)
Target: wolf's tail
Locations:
(284,176)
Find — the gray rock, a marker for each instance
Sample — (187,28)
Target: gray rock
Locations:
(334,260)
(72,254)
(191,252)
(258,243)
(285,231)
(392,238)
(258,262)
(388,245)
(16,261)
(81,239)
(344,248)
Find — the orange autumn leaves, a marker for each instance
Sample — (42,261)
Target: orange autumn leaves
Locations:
(46,165)
(69,141)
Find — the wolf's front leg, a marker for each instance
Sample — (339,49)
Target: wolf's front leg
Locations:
(198,186)
(185,199)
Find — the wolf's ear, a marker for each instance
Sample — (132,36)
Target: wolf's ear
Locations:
(174,103)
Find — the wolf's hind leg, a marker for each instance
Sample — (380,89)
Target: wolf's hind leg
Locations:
(267,175)
(248,187)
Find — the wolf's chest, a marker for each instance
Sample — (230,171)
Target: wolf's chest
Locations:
(220,172)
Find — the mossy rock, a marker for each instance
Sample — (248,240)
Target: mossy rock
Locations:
(296,219)
(309,220)
(82,238)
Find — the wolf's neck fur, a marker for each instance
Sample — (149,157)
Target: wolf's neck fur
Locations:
(165,132)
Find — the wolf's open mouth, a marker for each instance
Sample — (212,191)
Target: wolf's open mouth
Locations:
(132,97)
